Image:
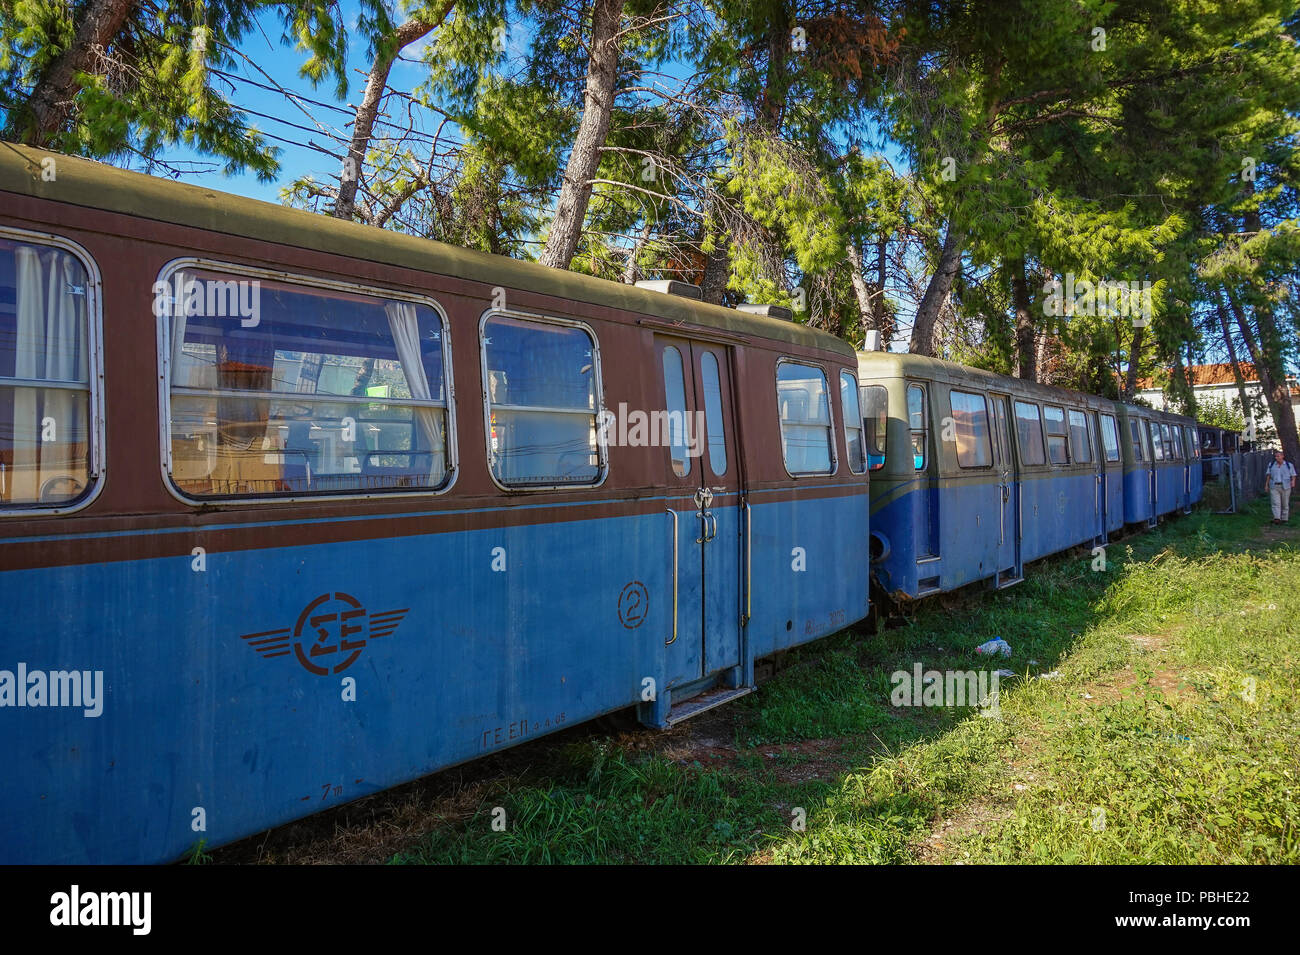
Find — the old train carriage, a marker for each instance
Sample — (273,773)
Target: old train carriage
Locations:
(294,510)
(975,474)
(1160,456)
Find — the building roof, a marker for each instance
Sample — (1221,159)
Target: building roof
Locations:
(1214,375)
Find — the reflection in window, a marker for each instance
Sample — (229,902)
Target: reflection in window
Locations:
(1079,440)
(970,415)
(1029,431)
(1157,445)
(806,437)
(278,388)
(875,419)
(542,403)
(1135,439)
(45,426)
(713,414)
(675,392)
(853,440)
(917,423)
(1110,437)
(1057,447)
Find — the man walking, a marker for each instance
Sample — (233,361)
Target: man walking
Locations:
(1281,481)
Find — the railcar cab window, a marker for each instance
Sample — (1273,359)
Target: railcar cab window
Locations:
(675,401)
(1157,446)
(1110,437)
(853,426)
(543,402)
(875,419)
(48,444)
(1172,442)
(1080,443)
(1058,450)
(1135,439)
(918,418)
(1193,445)
(807,441)
(970,415)
(298,388)
(713,413)
(1029,431)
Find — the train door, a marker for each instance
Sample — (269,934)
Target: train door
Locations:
(1155,460)
(924,505)
(703,474)
(1099,455)
(1008,469)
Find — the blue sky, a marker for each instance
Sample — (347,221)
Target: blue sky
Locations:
(282,63)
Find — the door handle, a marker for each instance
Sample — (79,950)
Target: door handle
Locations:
(704,527)
(673,639)
(713,518)
(749,560)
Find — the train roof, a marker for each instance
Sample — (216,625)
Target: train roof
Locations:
(903,364)
(85,183)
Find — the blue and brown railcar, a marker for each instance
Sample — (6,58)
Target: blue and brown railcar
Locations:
(328,508)
(975,474)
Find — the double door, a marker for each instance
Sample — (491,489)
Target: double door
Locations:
(697,434)
(1010,489)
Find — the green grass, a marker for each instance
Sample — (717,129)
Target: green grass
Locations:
(1168,736)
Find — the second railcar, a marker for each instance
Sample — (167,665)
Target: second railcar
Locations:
(975,474)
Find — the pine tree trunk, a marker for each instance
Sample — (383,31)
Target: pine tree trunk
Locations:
(598,104)
(1134,353)
(1191,387)
(936,293)
(869,319)
(50,102)
(717,270)
(1026,352)
(631,271)
(363,123)
(1272,376)
(1232,355)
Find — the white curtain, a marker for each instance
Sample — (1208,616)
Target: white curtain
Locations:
(406,335)
(51,346)
(176,328)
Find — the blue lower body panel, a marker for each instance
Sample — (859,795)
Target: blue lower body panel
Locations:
(283,681)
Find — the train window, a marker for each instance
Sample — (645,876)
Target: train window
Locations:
(1058,449)
(1029,431)
(1157,445)
(713,414)
(1109,437)
(1193,446)
(875,419)
(1135,439)
(1080,444)
(807,440)
(1171,442)
(970,415)
(48,441)
(543,402)
(917,422)
(675,393)
(853,441)
(282,388)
